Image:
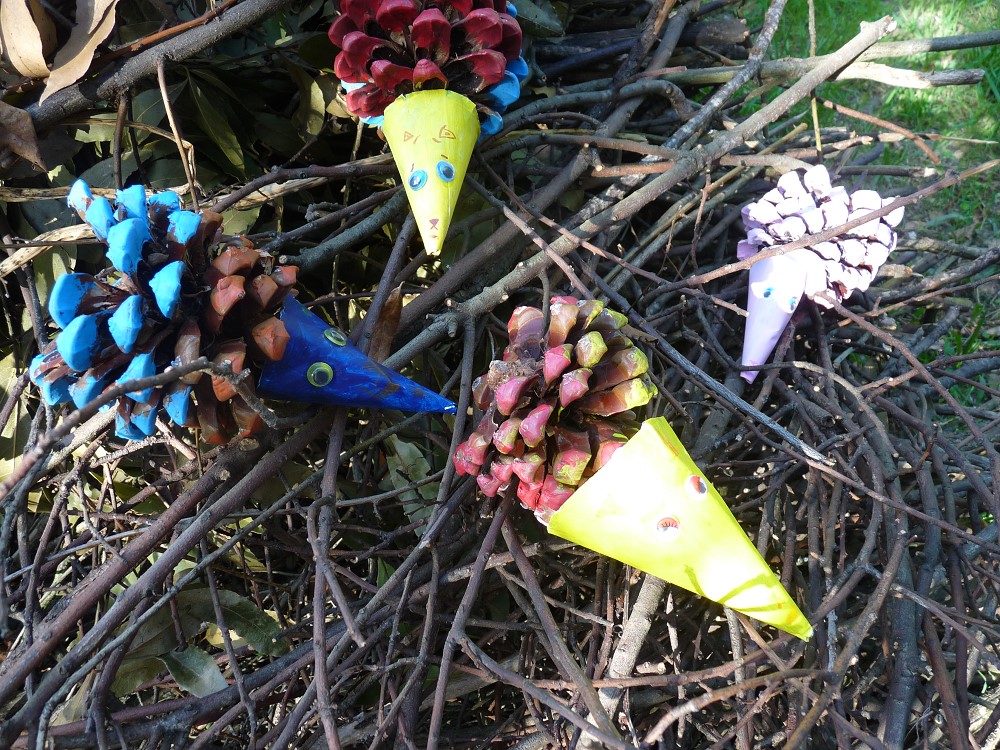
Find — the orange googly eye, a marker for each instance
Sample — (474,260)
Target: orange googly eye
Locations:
(696,486)
(669,527)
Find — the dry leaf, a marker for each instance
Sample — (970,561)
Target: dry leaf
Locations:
(42,244)
(45,25)
(388,323)
(94,21)
(17,133)
(21,37)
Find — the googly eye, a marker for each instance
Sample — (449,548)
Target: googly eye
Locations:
(417,179)
(767,292)
(445,171)
(669,527)
(335,337)
(696,486)
(319,374)
(792,303)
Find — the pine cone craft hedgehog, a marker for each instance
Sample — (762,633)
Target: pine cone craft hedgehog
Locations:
(557,406)
(797,207)
(558,421)
(433,76)
(176,294)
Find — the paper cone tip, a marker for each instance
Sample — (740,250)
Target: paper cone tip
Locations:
(432,134)
(652,508)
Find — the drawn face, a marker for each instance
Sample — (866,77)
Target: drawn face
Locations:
(431,134)
(652,508)
(776,286)
(428,172)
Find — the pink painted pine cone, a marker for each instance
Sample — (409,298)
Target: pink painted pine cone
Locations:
(557,406)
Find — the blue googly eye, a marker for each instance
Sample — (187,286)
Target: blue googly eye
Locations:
(768,292)
(418,179)
(792,303)
(445,171)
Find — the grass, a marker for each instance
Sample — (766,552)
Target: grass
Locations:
(954,116)
(961,123)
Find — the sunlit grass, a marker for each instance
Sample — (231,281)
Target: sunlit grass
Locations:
(955,117)
(961,125)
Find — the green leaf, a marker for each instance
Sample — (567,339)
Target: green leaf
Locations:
(252,625)
(49,267)
(130,32)
(195,671)
(407,465)
(166,173)
(383,572)
(148,108)
(94,133)
(74,707)
(276,135)
(316,50)
(46,215)
(195,611)
(158,636)
(539,18)
(133,673)
(216,127)
(239,222)
(312,105)
(102,174)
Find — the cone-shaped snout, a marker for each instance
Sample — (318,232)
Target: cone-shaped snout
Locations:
(432,134)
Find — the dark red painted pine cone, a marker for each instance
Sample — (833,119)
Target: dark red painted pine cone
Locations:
(558,404)
(387,48)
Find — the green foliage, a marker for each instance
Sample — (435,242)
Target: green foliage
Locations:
(195,671)
(980,331)
(155,647)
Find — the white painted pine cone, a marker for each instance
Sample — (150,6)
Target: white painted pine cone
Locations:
(807,204)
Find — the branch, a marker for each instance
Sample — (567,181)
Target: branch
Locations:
(79,97)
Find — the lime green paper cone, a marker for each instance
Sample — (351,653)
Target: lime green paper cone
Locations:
(651,507)
(432,134)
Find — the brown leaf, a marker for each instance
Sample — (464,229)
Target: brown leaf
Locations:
(388,322)
(94,21)
(17,133)
(22,30)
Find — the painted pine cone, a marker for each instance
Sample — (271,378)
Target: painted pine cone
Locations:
(167,301)
(558,405)
(388,48)
(807,205)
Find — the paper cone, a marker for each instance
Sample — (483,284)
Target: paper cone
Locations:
(776,286)
(320,366)
(431,134)
(651,507)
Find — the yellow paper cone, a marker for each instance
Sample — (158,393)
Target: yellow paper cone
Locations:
(431,134)
(651,507)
